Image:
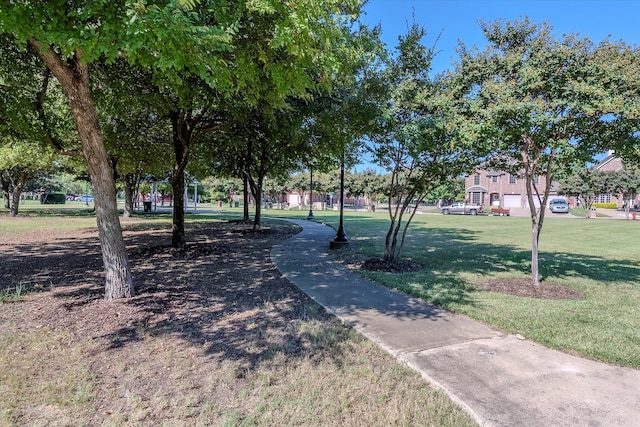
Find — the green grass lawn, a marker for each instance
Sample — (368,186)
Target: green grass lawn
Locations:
(599,257)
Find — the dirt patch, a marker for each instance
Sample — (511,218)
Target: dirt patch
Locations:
(219,301)
(526,288)
(400,266)
(214,336)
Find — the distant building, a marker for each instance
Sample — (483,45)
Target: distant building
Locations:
(611,163)
(495,188)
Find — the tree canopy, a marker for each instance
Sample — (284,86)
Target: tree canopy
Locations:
(541,104)
(258,51)
(418,138)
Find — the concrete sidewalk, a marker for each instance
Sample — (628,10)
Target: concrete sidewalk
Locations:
(499,379)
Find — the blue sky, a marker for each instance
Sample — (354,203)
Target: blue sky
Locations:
(595,19)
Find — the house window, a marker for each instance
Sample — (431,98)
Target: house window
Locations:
(476,179)
(494,178)
(512,179)
(536,179)
(603,198)
(475,198)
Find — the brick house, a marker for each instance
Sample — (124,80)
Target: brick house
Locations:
(495,188)
(611,163)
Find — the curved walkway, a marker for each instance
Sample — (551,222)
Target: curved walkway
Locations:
(500,379)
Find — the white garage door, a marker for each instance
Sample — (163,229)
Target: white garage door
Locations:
(536,202)
(512,201)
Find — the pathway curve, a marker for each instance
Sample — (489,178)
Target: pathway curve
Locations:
(499,379)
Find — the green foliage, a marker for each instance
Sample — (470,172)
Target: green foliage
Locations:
(418,138)
(540,105)
(451,190)
(220,188)
(53,199)
(610,205)
(625,182)
(584,185)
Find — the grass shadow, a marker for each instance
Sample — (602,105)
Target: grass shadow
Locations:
(222,295)
(452,256)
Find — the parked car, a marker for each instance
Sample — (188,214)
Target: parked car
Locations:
(461,208)
(559,206)
(84,198)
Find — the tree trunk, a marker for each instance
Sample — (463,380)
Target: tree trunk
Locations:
(4,186)
(245,194)
(256,191)
(73,76)
(130,181)
(390,242)
(178,238)
(257,218)
(627,208)
(182,130)
(535,235)
(15,194)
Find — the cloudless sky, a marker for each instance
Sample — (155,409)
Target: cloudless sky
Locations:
(457,20)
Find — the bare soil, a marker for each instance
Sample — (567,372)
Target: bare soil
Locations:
(221,295)
(223,265)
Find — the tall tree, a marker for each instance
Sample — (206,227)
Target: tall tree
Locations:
(584,184)
(281,50)
(625,183)
(542,104)
(70,37)
(29,102)
(418,141)
(135,134)
(259,145)
(21,161)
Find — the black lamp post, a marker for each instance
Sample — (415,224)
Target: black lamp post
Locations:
(310,217)
(341,238)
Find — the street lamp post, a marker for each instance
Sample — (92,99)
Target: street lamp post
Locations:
(341,238)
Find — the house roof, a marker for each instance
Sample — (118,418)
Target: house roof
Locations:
(476,189)
(610,163)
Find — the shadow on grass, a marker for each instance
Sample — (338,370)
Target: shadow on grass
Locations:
(447,254)
(227,298)
(53,212)
(222,295)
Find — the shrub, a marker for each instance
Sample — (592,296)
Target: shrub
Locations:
(53,199)
(610,205)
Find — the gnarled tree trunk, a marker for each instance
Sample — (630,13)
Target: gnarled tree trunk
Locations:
(73,76)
